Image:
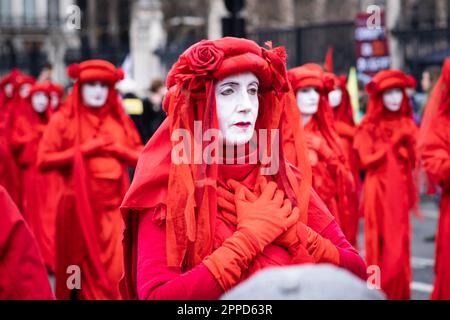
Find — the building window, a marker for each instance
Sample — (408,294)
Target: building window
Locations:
(5,11)
(29,11)
(53,12)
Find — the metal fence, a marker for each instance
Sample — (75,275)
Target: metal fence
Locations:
(423,47)
(29,60)
(310,43)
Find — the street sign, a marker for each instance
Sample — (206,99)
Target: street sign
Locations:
(372,51)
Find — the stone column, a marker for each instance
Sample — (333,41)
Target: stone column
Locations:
(287,12)
(217,10)
(146,35)
(393,12)
(113,22)
(91,24)
(442,12)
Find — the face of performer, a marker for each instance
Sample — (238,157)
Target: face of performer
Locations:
(54,100)
(8,90)
(24,90)
(392,99)
(94,93)
(237,107)
(39,102)
(335,97)
(308,100)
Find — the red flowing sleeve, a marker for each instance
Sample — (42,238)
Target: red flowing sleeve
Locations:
(52,153)
(155,280)
(321,221)
(369,156)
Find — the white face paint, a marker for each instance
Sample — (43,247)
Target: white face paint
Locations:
(24,90)
(39,102)
(237,107)
(392,99)
(308,100)
(335,98)
(94,94)
(8,90)
(54,100)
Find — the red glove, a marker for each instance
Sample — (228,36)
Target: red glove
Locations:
(260,220)
(95,146)
(400,137)
(288,240)
(266,218)
(122,152)
(403,153)
(319,145)
(321,249)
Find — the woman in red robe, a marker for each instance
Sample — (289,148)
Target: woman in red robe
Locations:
(23,274)
(13,108)
(385,142)
(332,178)
(8,168)
(195,229)
(434,147)
(27,132)
(91,142)
(339,100)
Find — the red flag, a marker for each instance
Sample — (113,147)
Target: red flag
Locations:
(329,59)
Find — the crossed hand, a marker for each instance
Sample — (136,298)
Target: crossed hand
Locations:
(265,214)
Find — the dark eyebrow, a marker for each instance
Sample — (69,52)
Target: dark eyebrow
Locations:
(231,83)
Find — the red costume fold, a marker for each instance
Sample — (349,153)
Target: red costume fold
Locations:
(27,132)
(10,108)
(345,128)
(23,274)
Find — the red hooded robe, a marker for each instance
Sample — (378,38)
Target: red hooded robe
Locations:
(29,126)
(434,147)
(89,225)
(10,175)
(332,178)
(389,190)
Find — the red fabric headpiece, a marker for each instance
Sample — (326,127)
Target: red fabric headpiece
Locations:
(389,79)
(40,87)
(10,78)
(95,70)
(386,80)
